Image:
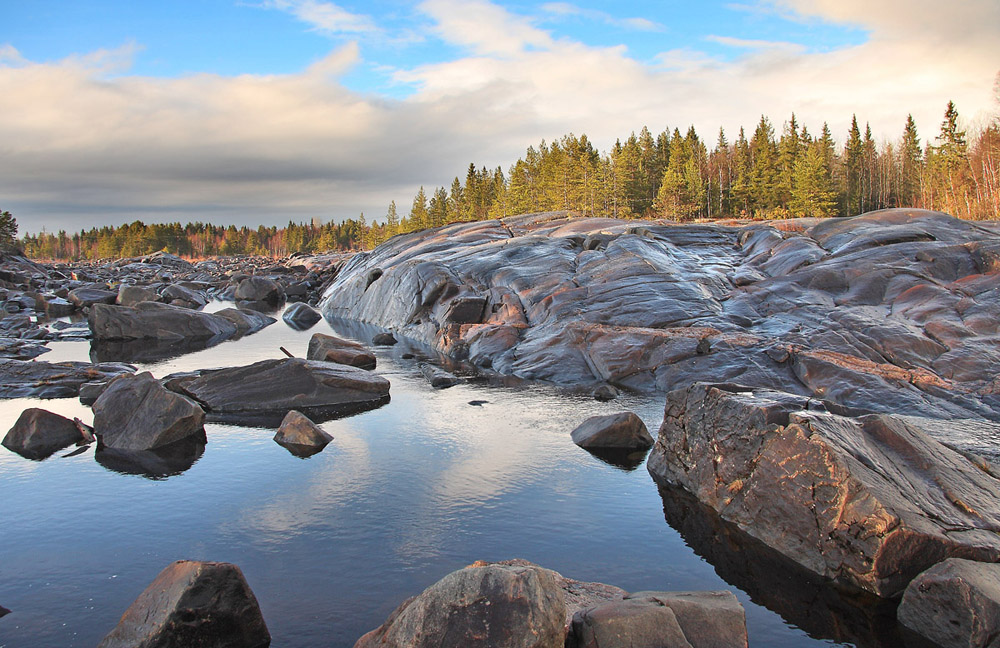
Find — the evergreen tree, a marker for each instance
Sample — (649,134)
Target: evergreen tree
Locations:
(854,154)
(910,165)
(418,219)
(813,192)
(8,230)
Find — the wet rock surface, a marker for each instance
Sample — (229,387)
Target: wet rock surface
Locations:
(193,603)
(624,431)
(300,434)
(37,379)
(870,501)
(263,392)
(888,311)
(330,348)
(955,603)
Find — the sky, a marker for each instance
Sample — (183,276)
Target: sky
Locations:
(254,112)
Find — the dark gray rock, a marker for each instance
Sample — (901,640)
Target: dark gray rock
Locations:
(38,434)
(179,295)
(955,603)
(333,349)
(58,307)
(193,603)
(90,295)
(246,321)
(384,339)
(870,501)
(259,289)
(438,377)
(137,413)
(156,321)
(36,379)
(132,295)
(624,430)
(265,391)
(481,606)
(157,464)
(296,429)
(300,316)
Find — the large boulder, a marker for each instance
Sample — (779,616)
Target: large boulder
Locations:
(245,320)
(955,603)
(265,391)
(481,606)
(896,310)
(131,295)
(137,413)
(36,379)
(38,434)
(259,289)
(300,316)
(870,501)
(667,619)
(179,295)
(193,603)
(334,349)
(624,430)
(87,296)
(153,320)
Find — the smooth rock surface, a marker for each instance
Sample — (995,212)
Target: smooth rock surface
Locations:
(153,320)
(870,501)
(137,413)
(481,606)
(38,434)
(37,379)
(330,348)
(896,310)
(193,604)
(624,430)
(300,316)
(297,429)
(259,289)
(265,391)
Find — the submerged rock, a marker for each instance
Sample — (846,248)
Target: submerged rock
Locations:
(263,392)
(438,377)
(38,434)
(892,310)
(192,603)
(334,349)
(955,603)
(137,413)
(36,379)
(870,501)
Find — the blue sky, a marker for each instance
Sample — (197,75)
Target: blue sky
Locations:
(261,111)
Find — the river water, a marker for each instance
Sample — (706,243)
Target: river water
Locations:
(404,494)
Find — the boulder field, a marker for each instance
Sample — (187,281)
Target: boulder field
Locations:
(891,311)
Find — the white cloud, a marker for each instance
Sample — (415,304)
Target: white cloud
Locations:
(567,9)
(83,139)
(325,17)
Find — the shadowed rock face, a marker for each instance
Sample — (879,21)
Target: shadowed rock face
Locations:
(888,311)
(870,501)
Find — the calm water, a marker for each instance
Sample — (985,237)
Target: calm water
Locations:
(331,544)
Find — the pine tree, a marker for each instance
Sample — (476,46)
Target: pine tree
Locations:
(854,154)
(417,219)
(8,230)
(910,165)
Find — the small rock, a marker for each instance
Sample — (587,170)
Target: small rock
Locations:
(300,316)
(623,430)
(297,429)
(333,349)
(384,339)
(193,603)
(38,433)
(137,413)
(954,603)
(4,611)
(439,378)
(605,392)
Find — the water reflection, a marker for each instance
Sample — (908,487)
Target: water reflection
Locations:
(148,350)
(822,609)
(157,464)
(621,458)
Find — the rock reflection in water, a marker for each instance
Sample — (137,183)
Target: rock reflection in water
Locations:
(622,458)
(149,350)
(158,464)
(820,608)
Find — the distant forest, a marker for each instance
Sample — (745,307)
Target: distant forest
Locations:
(673,175)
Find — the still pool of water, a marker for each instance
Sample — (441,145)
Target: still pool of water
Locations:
(403,495)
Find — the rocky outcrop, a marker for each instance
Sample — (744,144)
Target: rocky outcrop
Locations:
(870,501)
(193,603)
(955,604)
(518,603)
(263,392)
(334,349)
(136,413)
(36,379)
(624,431)
(893,310)
(38,434)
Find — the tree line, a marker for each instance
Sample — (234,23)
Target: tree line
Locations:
(673,175)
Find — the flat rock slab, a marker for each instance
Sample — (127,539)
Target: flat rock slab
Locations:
(137,413)
(38,433)
(193,604)
(896,310)
(954,603)
(870,501)
(263,392)
(36,379)
(624,431)
(153,320)
(334,349)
